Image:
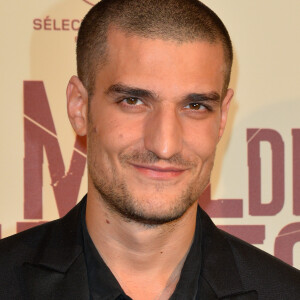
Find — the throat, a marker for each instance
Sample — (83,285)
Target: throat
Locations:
(159,288)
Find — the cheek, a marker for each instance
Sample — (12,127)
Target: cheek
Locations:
(107,139)
(202,138)
(112,136)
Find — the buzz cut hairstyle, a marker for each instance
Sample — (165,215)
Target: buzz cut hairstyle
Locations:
(176,20)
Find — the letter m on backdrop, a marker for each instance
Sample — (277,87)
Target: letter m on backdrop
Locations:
(39,136)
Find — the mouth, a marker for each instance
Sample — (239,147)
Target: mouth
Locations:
(159,173)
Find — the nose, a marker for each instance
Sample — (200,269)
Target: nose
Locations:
(163,133)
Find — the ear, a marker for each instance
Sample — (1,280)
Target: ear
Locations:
(77,105)
(224,111)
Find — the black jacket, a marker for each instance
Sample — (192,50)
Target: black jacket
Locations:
(47,262)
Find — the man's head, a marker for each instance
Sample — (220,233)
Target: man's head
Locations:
(157,112)
(179,20)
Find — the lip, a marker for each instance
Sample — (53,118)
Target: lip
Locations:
(160,173)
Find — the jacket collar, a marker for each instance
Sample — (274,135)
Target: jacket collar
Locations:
(58,269)
(219,271)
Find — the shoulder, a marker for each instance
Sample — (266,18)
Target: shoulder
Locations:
(31,245)
(20,244)
(22,248)
(230,264)
(15,251)
(49,234)
(263,271)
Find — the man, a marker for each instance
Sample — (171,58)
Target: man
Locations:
(152,97)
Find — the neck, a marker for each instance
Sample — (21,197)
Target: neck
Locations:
(138,254)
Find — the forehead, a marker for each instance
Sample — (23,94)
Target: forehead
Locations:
(159,64)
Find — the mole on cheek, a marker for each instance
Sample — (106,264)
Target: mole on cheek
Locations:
(107,221)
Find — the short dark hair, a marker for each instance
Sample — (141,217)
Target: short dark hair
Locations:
(180,20)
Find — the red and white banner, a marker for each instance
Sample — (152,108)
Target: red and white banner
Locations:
(255,187)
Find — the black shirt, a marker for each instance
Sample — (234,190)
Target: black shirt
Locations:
(103,285)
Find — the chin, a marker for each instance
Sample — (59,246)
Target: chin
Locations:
(149,210)
(154,218)
(156,204)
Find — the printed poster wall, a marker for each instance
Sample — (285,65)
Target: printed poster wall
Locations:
(255,185)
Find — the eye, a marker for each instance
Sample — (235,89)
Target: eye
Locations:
(195,106)
(132,101)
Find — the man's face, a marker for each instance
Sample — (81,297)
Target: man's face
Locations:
(154,122)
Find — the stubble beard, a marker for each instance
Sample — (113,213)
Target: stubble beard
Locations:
(114,192)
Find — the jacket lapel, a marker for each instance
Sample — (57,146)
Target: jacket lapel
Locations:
(58,269)
(207,293)
(250,295)
(219,275)
(43,283)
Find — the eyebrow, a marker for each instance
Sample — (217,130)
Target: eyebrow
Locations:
(201,97)
(130,91)
(120,88)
